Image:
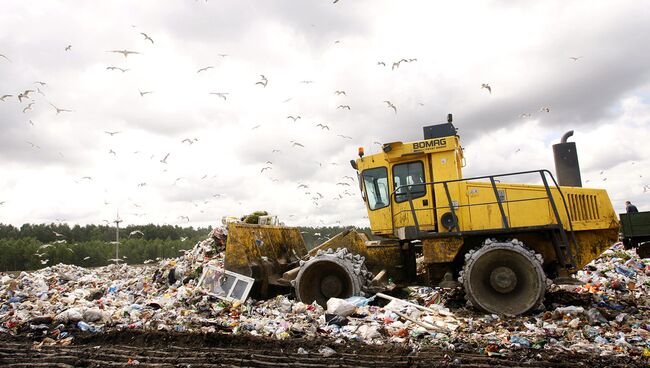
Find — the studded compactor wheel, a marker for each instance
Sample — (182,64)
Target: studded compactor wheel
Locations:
(504,278)
(331,274)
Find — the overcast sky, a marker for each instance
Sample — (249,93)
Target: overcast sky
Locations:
(307,50)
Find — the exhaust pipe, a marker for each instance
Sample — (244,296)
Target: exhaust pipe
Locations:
(567,167)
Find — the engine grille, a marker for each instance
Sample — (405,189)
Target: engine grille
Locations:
(583,207)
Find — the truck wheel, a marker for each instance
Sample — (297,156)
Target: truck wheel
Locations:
(503,278)
(643,251)
(331,274)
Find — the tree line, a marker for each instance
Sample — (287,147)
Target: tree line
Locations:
(34,246)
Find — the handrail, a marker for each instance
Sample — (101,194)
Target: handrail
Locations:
(499,202)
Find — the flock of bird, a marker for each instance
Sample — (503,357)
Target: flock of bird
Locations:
(28,100)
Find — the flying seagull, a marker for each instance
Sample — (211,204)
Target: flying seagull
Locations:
(5,57)
(185,218)
(33,145)
(68,48)
(146,37)
(126,53)
(266,168)
(390,105)
(322,126)
(340,93)
(344,107)
(24,94)
(28,107)
(116,68)
(164,160)
(220,94)
(545,109)
(263,81)
(487,86)
(2,98)
(142,93)
(294,118)
(381,63)
(112,133)
(204,69)
(58,110)
(296,144)
(43,84)
(344,136)
(575,58)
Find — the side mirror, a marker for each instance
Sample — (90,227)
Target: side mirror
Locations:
(353,163)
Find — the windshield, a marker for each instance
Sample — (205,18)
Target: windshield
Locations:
(376,183)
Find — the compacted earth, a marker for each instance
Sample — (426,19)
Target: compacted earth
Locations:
(165,349)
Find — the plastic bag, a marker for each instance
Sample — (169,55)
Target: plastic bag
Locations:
(340,307)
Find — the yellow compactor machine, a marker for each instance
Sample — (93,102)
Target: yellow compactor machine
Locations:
(500,240)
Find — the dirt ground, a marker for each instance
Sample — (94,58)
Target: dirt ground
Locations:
(163,349)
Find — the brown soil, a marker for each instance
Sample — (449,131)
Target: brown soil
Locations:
(161,349)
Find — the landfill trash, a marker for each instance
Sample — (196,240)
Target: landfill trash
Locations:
(340,307)
(57,302)
(326,351)
(302,351)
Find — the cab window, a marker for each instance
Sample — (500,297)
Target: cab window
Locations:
(408,175)
(376,182)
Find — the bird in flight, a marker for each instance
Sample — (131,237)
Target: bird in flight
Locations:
(263,81)
(377,143)
(142,184)
(5,57)
(255,127)
(112,133)
(344,107)
(205,68)
(525,115)
(164,160)
(86,258)
(220,94)
(340,93)
(381,63)
(343,184)
(68,48)
(191,141)
(28,107)
(296,144)
(276,151)
(344,136)
(322,126)
(545,109)
(348,177)
(184,218)
(303,186)
(487,86)
(266,168)
(24,94)
(33,145)
(575,58)
(58,110)
(126,53)
(142,93)
(2,98)
(111,152)
(43,84)
(222,55)
(116,68)
(146,37)
(307,82)
(294,117)
(391,106)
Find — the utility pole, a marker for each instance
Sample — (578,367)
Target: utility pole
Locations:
(117,237)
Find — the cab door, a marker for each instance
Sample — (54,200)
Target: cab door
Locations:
(411,175)
(376,193)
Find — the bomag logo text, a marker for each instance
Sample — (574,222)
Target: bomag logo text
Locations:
(432,143)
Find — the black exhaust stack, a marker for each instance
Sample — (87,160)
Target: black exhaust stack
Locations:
(567,167)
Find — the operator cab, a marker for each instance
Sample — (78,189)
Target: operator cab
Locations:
(394,180)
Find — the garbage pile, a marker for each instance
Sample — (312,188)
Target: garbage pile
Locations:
(607,314)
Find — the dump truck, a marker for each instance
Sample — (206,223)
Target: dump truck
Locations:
(501,240)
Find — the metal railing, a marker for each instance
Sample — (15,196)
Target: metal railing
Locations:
(563,251)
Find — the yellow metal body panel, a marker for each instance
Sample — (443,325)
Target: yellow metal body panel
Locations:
(441,250)
(247,244)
